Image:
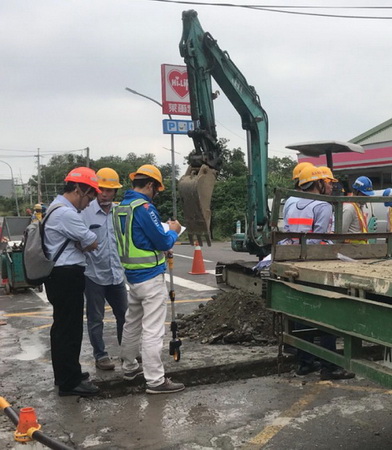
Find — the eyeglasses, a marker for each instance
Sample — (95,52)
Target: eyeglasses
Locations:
(91,196)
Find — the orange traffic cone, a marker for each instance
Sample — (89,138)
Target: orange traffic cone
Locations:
(27,420)
(198,262)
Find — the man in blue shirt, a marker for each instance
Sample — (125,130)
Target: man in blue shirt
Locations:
(141,242)
(65,285)
(104,273)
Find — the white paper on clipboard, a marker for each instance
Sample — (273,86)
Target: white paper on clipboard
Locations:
(166,228)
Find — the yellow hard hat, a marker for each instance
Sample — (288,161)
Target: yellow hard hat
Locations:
(38,206)
(148,170)
(327,173)
(310,174)
(297,169)
(108,178)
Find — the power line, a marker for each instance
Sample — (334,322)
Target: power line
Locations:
(275,8)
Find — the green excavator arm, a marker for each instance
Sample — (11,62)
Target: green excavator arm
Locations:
(205,60)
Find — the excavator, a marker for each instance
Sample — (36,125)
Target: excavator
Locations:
(342,289)
(205,60)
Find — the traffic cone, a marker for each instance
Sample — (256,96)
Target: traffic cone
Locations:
(27,420)
(198,262)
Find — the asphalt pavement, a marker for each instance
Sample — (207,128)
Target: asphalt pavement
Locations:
(233,396)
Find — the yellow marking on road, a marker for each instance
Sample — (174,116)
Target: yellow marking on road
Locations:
(285,418)
(108,308)
(27,314)
(41,327)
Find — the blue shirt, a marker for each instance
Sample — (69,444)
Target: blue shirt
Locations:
(66,223)
(103,264)
(147,234)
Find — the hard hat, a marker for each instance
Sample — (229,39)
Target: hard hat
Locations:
(309,175)
(150,171)
(387,193)
(38,206)
(363,185)
(84,175)
(108,178)
(327,173)
(297,169)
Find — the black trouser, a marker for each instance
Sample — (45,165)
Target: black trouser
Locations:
(64,289)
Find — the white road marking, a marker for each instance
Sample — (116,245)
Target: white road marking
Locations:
(187,284)
(190,257)
(42,295)
(191,284)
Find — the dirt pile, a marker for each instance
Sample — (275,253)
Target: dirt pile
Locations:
(235,317)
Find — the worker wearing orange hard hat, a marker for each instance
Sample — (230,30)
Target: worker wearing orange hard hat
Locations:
(67,239)
(141,242)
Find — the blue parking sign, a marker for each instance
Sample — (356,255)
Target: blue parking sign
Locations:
(177,126)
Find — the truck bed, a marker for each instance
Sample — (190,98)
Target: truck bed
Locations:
(370,275)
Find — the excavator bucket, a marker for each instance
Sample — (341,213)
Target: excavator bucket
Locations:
(195,189)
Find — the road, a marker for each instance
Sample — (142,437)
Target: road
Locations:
(286,412)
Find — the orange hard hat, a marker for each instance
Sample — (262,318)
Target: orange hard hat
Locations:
(148,170)
(297,169)
(108,178)
(327,173)
(84,175)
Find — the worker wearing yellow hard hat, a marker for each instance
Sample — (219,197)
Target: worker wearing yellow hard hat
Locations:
(141,242)
(104,275)
(292,200)
(315,216)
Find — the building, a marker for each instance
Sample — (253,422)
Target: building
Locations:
(375,162)
(6,188)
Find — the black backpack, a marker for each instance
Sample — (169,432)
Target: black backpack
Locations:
(37,266)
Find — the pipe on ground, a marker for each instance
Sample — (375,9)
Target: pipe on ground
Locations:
(32,432)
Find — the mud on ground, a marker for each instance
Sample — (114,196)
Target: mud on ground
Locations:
(235,317)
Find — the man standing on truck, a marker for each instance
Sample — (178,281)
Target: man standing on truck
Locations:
(308,216)
(104,273)
(65,285)
(354,219)
(292,200)
(141,242)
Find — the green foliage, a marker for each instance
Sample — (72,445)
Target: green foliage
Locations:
(228,205)
(229,200)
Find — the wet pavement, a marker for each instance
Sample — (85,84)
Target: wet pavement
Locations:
(227,404)
(233,396)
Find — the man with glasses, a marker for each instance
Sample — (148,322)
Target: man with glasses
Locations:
(65,285)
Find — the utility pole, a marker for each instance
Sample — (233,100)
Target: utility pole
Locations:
(87,157)
(174,194)
(39,177)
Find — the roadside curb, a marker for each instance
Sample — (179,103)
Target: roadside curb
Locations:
(212,374)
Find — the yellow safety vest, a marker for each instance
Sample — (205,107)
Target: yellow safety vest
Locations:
(132,257)
(362,224)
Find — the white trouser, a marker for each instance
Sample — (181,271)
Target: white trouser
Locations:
(145,318)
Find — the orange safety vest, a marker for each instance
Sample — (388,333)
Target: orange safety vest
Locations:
(362,224)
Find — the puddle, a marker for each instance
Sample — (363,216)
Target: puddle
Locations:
(31,348)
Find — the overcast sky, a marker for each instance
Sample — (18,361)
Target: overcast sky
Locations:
(65,66)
